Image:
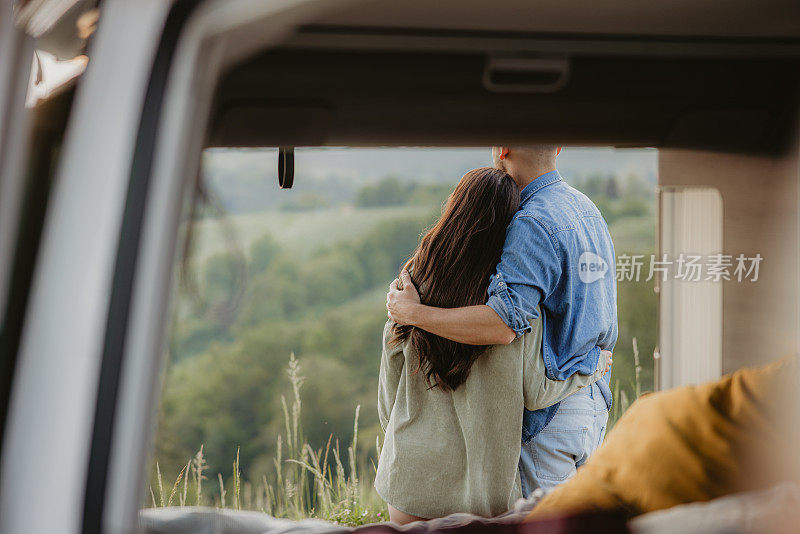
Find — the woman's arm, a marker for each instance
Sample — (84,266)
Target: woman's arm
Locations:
(392,361)
(541,392)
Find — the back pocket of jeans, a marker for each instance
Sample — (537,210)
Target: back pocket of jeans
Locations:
(555,452)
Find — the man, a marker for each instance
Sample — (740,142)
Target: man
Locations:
(558,254)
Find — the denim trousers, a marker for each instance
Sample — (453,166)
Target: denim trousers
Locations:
(553,455)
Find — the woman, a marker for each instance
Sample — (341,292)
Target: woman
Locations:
(452,413)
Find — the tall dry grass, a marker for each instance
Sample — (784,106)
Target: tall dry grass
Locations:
(304,482)
(621,401)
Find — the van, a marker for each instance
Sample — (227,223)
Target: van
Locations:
(94,174)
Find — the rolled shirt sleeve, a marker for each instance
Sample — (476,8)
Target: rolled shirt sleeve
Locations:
(529,269)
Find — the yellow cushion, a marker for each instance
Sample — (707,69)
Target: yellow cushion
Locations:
(689,444)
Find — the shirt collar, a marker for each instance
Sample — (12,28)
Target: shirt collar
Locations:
(540,182)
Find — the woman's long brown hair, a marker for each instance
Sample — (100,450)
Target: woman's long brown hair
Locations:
(452,267)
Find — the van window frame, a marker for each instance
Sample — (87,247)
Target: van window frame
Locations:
(125,267)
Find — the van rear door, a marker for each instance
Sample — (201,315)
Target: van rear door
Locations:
(16,53)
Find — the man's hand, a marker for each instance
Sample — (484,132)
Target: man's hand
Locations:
(608,359)
(401,303)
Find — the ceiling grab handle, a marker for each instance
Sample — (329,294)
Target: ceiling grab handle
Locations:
(286,167)
(525,74)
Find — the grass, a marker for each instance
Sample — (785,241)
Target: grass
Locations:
(304,482)
(621,402)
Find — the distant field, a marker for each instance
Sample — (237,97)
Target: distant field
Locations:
(300,232)
(634,234)
(304,232)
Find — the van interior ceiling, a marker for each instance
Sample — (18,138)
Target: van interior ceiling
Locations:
(367,86)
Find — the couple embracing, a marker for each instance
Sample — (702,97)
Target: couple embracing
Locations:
(500,327)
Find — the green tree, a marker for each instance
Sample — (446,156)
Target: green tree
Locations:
(224,281)
(612,189)
(390,191)
(262,253)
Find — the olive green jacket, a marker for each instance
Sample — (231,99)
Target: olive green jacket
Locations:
(458,451)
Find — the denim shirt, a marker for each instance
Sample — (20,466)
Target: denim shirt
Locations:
(558,254)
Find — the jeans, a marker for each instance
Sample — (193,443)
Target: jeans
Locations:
(555,453)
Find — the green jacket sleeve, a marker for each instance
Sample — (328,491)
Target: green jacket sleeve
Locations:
(392,361)
(539,391)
